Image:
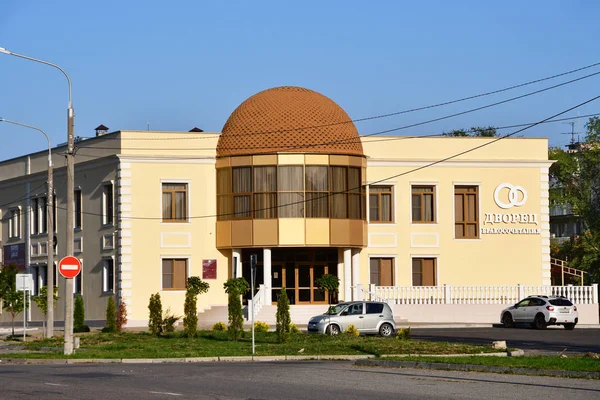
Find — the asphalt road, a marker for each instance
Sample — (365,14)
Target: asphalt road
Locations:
(290,380)
(552,340)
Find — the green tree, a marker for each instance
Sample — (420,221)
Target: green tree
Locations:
(155,320)
(12,299)
(476,131)
(328,283)
(235,288)
(575,180)
(79,316)
(283,317)
(42,301)
(111,316)
(195,286)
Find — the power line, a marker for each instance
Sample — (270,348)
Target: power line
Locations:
(389,114)
(329,194)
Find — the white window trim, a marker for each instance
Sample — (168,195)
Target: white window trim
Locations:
(188,182)
(393,184)
(454,185)
(105,222)
(80,276)
(35,250)
(41,246)
(437,267)
(176,257)
(80,240)
(394,257)
(435,199)
(112,241)
(11,222)
(105,276)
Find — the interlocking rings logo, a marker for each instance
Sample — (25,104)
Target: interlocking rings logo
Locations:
(514,200)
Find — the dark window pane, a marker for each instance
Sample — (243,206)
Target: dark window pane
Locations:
(290,179)
(316,178)
(241,206)
(242,179)
(374,308)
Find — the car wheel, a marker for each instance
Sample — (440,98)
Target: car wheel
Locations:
(333,330)
(507,320)
(540,322)
(569,327)
(386,330)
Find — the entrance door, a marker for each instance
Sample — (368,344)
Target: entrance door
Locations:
(307,292)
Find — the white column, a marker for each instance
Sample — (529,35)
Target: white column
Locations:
(267,275)
(355,273)
(236,266)
(347,274)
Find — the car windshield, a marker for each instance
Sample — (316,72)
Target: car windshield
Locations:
(336,309)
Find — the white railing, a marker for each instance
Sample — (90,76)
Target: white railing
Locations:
(257,302)
(449,294)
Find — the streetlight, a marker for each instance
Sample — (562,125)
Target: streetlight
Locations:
(68,342)
(49,229)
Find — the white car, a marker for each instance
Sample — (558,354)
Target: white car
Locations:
(541,311)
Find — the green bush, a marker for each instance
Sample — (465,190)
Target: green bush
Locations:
(155,320)
(283,317)
(403,334)
(79,316)
(261,327)
(169,321)
(294,329)
(111,316)
(235,287)
(352,331)
(219,326)
(195,286)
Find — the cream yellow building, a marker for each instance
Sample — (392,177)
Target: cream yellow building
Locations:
(290,180)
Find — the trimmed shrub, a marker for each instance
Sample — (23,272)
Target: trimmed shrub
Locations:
(261,327)
(219,326)
(79,316)
(155,319)
(294,329)
(235,288)
(111,317)
(352,331)
(121,316)
(283,317)
(195,286)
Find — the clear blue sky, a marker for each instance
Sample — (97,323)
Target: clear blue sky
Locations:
(181,64)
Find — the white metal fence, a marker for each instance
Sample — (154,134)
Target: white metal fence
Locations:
(449,294)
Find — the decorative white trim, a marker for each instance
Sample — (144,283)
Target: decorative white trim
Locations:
(164,235)
(105,275)
(382,234)
(424,234)
(111,237)
(457,163)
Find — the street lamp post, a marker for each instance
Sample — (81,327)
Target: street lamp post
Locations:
(49,229)
(68,342)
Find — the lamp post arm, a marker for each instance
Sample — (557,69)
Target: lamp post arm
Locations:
(3,50)
(37,129)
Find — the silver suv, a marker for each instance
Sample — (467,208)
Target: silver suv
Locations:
(369,317)
(541,311)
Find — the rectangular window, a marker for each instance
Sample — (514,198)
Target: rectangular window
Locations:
(14,223)
(355,192)
(77,281)
(242,192)
(108,204)
(35,216)
(174,274)
(43,210)
(174,202)
(290,196)
(38,275)
(317,195)
(382,271)
(339,192)
(424,272)
(466,224)
(380,204)
(224,199)
(265,192)
(78,208)
(423,204)
(108,275)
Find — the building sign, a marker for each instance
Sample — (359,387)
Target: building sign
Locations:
(14,254)
(209,269)
(507,196)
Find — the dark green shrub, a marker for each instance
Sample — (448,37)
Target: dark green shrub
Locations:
(168,322)
(111,316)
(283,317)
(155,320)
(79,316)
(235,288)
(195,286)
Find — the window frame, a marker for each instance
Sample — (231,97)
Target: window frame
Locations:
(434,210)
(477,187)
(108,217)
(380,257)
(106,289)
(78,281)
(187,260)
(14,228)
(421,257)
(78,209)
(187,201)
(249,194)
(392,194)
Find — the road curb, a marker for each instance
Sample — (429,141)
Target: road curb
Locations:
(477,368)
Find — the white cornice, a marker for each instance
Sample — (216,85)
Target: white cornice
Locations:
(460,163)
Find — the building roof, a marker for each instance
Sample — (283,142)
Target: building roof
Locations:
(289,119)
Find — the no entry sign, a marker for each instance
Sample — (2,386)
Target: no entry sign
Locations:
(69,267)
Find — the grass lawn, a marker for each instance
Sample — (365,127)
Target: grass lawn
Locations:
(217,343)
(571,363)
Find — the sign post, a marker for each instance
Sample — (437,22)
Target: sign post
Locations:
(24,283)
(69,267)
(252,272)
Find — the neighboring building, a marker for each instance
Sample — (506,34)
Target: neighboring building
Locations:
(288,179)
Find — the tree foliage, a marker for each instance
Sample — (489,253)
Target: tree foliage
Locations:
(235,288)
(329,283)
(283,317)
(121,315)
(12,299)
(155,320)
(111,317)
(575,180)
(42,299)
(476,131)
(195,286)
(79,316)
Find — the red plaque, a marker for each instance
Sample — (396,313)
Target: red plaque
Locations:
(209,269)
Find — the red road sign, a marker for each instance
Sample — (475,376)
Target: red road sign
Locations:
(69,267)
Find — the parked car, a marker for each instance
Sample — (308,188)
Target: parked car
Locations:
(541,311)
(369,317)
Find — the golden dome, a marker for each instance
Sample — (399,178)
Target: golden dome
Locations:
(289,119)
